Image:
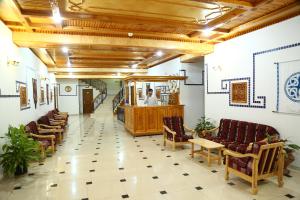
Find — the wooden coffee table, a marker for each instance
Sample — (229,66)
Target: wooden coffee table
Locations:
(206,147)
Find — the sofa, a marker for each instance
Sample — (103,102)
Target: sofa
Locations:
(237,135)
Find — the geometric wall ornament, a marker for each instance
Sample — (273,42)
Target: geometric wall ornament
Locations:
(255,101)
(292,87)
(288,87)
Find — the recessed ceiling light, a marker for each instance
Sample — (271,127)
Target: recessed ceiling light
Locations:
(130,34)
(159,53)
(65,49)
(56,15)
(134,66)
(207,32)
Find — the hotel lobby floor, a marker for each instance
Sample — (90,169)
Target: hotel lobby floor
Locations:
(100,160)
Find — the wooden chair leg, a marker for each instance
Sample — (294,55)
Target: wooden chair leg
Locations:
(226,168)
(43,155)
(52,146)
(254,188)
(280,171)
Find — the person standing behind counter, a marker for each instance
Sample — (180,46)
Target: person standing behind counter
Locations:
(151,99)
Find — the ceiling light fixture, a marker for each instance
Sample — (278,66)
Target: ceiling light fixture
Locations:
(130,34)
(159,53)
(119,74)
(55,11)
(208,31)
(134,66)
(65,49)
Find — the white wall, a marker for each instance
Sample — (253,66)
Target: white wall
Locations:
(233,59)
(68,102)
(30,67)
(192,96)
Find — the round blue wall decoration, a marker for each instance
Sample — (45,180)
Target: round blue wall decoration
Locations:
(292,87)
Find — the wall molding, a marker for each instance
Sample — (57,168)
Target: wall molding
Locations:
(256,101)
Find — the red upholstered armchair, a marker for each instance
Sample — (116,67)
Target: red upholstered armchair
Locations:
(46,122)
(54,115)
(174,131)
(46,139)
(261,162)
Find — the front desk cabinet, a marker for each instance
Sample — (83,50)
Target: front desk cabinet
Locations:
(148,120)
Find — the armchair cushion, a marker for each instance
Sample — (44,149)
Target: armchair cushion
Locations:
(176,124)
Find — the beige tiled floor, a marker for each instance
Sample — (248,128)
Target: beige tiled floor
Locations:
(98,153)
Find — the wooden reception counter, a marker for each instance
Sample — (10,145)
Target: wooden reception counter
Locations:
(148,120)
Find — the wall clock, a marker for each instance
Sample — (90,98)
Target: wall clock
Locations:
(68,88)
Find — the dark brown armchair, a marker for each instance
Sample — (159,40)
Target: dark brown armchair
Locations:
(175,131)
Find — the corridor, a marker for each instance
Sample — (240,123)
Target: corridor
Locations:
(100,160)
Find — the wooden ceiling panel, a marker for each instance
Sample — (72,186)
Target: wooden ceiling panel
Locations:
(117,34)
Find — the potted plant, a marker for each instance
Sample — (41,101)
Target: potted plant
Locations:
(289,154)
(18,151)
(203,124)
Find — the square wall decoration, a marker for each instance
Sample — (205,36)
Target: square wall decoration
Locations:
(23,97)
(239,92)
(42,98)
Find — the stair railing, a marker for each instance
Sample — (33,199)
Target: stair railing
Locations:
(118,99)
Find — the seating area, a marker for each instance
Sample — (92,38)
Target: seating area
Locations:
(149,99)
(48,130)
(251,151)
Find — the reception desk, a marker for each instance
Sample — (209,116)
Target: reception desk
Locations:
(148,120)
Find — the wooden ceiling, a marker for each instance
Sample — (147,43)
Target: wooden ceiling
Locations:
(104,37)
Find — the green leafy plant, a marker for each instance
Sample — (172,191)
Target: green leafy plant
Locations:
(203,124)
(18,151)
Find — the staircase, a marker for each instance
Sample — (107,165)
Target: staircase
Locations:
(118,100)
(101,87)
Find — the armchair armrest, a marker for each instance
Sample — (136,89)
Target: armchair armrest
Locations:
(48,127)
(50,130)
(239,155)
(211,130)
(57,122)
(42,136)
(189,129)
(169,130)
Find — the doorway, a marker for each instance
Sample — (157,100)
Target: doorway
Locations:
(88,104)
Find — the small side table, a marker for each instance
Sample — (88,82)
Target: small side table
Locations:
(206,147)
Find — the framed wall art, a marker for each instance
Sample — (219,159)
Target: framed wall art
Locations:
(158,92)
(239,92)
(42,98)
(23,97)
(47,93)
(68,89)
(140,93)
(34,92)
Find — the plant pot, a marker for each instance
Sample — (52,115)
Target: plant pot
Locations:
(289,158)
(20,171)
